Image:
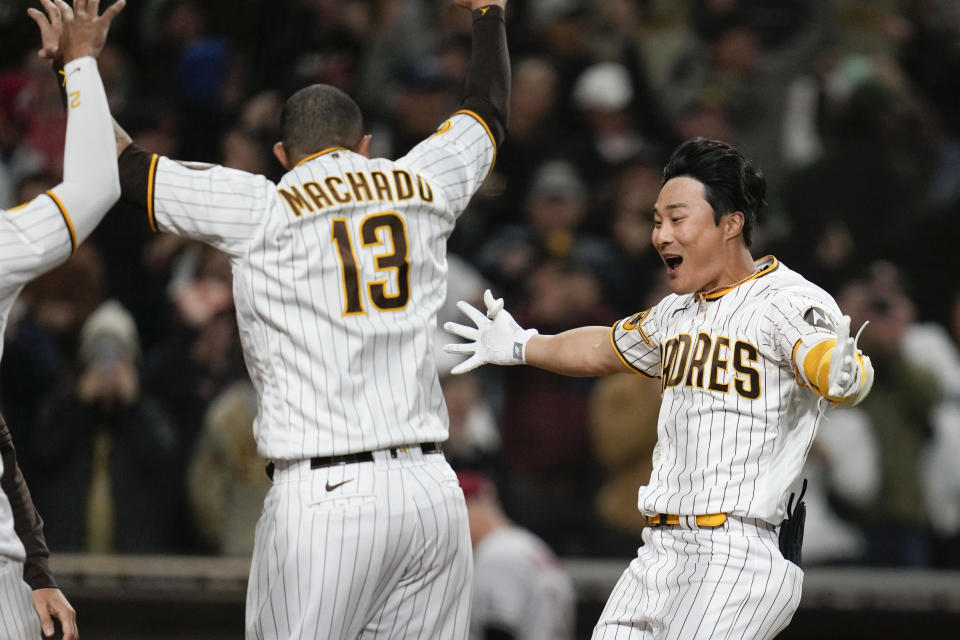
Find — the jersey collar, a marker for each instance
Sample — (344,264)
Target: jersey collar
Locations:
(318,154)
(764,265)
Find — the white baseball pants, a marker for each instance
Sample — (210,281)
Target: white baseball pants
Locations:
(363,550)
(688,583)
(18,620)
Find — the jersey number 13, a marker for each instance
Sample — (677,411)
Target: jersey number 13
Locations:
(386,229)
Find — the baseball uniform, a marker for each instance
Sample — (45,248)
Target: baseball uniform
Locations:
(520,589)
(740,408)
(34,238)
(338,273)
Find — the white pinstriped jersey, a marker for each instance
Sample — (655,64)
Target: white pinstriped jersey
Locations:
(39,235)
(33,238)
(520,587)
(338,274)
(737,416)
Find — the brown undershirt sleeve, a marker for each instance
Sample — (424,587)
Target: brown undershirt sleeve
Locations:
(487,90)
(27,522)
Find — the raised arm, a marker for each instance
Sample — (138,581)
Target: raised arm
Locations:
(90,180)
(458,157)
(498,339)
(487,92)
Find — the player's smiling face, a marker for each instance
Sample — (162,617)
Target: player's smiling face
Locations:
(687,238)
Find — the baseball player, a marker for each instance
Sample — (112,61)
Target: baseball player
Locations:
(750,355)
(34,238)
(338,274)
(520,591)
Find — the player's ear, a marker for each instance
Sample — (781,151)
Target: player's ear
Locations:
(281,154)
(363,147)
(732,224)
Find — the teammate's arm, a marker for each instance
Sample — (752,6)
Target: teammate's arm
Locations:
(220,206)
(90,183)
(458,157)
(498,339)
(585,351)
(487,91)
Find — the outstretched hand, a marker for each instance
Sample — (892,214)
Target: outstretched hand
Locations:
(497,338)
(69,33)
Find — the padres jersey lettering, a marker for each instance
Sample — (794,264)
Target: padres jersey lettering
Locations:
(734,425)
(685,361)
(338,273)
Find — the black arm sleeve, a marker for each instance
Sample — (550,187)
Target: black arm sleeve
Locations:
(488,78)
(27,523)
(137,169)
(61,81)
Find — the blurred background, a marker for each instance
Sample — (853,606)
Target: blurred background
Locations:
(122,377)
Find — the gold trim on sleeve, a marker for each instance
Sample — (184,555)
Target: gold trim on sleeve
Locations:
(66,219)
(493,140)
(613,343)
(151,178)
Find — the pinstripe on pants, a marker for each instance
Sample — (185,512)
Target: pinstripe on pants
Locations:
(18,620)
(726,583)
(385,555)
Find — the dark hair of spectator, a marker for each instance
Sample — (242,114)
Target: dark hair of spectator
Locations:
(730,182)
(319,117)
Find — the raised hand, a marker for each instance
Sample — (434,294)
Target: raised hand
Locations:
(497,338)
(846,381)
(69,33)
(843,363)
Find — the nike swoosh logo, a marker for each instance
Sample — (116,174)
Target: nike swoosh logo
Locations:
(331,487)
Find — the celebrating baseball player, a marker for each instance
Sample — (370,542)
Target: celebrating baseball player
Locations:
(749,356)
(338,274)
(34,238)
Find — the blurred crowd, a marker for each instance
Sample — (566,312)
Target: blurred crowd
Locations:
(122,377)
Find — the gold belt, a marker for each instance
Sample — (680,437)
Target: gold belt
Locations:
(706,520)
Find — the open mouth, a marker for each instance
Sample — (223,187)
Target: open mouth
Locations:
(673,263)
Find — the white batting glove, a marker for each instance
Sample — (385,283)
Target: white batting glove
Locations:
(496,339)
(845,380)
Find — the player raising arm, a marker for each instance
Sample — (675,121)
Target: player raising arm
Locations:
(747,351)
(34,238)
(338,273)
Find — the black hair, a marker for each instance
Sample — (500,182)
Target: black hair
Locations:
(319,117)
(730,182)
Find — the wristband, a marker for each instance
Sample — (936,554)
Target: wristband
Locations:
(489,11)
(61,76)
(520,344)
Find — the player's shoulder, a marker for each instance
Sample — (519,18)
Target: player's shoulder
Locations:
(186,168)
(791,290)
(461,128)
(670,303)
(654,318)
(787,282)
